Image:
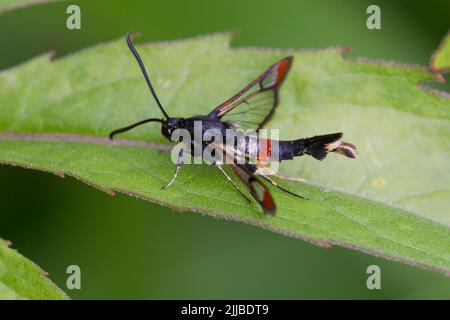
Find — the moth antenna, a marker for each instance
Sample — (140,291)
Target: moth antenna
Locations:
(131,126)
(144,72)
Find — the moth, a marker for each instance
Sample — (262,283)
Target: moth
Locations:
(250,108)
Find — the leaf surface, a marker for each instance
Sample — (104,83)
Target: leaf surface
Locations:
(391,201)
(9,5)
(22,279)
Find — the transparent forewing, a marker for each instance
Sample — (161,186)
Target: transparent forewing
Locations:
(254,110)
(254,105)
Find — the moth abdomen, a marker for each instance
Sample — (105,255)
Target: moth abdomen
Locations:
(317,147)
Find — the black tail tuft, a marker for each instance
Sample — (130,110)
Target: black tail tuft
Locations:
(319,146)
(347,149)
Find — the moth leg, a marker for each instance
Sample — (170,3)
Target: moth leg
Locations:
(278,186)
(288,178)
(270,172)
(179,164)
(232,182)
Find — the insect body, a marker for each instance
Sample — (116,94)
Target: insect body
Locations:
(250,108)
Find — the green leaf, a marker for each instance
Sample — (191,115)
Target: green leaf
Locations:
(390,201)
(440,61)
(8,5)
(22,279)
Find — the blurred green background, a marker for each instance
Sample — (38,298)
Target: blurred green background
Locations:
(128,248)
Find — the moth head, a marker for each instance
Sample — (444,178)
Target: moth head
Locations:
(171,125)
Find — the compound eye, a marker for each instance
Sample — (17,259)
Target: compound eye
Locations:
(166,130)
